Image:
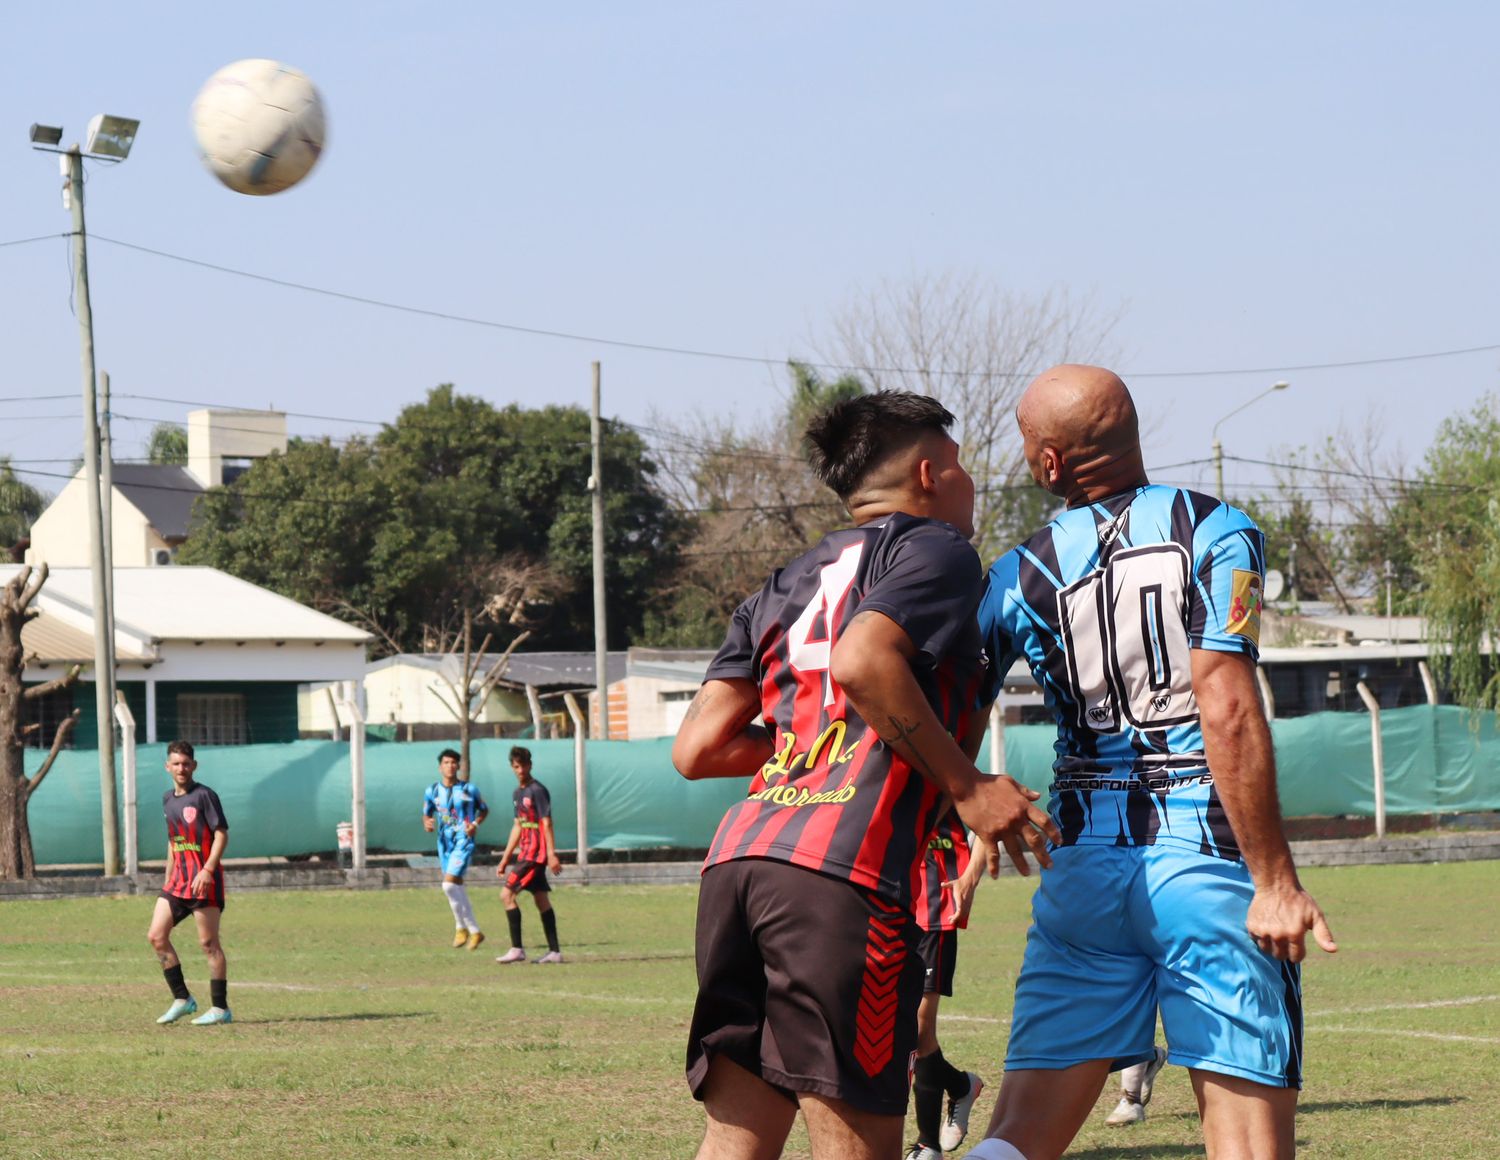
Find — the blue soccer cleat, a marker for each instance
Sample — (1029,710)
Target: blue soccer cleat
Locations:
(178,1009)
(213,1015)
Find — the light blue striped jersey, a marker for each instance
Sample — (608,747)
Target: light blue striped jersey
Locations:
(1105,603)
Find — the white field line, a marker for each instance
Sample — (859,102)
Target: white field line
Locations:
(1407,1034)
(1468,1001)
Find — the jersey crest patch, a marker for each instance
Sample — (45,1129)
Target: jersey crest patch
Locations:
(190,814)
(1245,605)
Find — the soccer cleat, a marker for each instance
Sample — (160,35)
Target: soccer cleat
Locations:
(922,1152)
(514,955)
(551,957)
(475,938)
(213,1015)
(956,1122)
(1141,1077)
(460,939)
(1153,1068)
(178,1009)
(1127,1111)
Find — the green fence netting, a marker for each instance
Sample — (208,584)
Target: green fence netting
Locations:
(287,799)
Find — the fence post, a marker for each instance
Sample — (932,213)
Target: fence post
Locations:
(1429,686)
(1377,751)
(580,784)
(1267,697)
(997,736)
(356,768)
(127,753)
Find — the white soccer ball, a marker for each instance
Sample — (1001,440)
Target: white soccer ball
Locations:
(259,125)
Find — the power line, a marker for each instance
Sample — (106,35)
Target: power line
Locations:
(726,356)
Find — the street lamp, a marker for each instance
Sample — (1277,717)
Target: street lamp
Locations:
(108,139)
(1219,447)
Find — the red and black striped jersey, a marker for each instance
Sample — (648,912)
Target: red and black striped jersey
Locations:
(192,818)
(533,803)
(834,797)
(947,858)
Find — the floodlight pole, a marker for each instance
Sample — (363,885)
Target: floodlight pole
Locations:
(108,805)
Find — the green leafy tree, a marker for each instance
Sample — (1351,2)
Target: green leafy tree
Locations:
(20,504)
(1454,520)
(168,445)
(457,514)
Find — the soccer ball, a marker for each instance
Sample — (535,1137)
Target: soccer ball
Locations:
(259,124)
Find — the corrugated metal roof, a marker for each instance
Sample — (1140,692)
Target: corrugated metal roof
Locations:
(541,670)
(178,603)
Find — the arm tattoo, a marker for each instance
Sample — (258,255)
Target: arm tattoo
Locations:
(903,734)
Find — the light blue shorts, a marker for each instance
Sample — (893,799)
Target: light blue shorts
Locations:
(456,858)
(1118,932)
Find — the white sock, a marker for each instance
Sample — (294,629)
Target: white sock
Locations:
(993,1150)
(458,900)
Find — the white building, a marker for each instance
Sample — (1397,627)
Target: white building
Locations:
(151,505)
(200,654)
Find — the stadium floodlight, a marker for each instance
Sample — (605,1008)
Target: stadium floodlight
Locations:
(110,136)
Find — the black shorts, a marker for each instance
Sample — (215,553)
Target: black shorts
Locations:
(809,982)
(939,950)
(530,876)
(182,907)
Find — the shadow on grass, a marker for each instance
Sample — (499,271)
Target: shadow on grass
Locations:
(1139,1152)
(1371,1105)
(352,1017)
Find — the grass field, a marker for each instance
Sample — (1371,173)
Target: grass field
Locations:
(359,1033)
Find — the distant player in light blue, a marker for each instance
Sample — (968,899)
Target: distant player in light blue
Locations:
(455,809)
(1173,887)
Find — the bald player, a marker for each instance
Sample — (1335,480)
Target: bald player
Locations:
(1138,610)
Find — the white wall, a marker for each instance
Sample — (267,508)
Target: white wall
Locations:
(60,536)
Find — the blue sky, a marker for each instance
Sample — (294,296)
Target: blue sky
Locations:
(1255,188)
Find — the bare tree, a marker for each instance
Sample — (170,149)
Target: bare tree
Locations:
(503,595)
(973,346)
(16,788)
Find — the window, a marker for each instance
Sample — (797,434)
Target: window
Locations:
(212,718)
(47,713)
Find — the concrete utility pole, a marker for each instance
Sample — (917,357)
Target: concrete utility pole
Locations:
(601,633)
(107,520)
(108,805)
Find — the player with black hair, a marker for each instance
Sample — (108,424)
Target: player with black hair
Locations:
(454,810)
(533,844)
(197,836)
(863,657)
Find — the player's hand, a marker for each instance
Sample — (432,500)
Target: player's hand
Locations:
(554,865)
(1280,918)
(963,896)
(470,829)
(999,809)
(203,883)
(429,825)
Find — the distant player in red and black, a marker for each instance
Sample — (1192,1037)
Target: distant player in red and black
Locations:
(943,892)
(197,834)
(534,847)
(862,656)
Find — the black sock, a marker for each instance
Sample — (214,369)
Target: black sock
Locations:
(514,918)
(549,928)
(927,1095)
(949,1078)
(174,980)
(219,989)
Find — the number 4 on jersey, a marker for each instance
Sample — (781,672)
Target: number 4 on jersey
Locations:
(810,641)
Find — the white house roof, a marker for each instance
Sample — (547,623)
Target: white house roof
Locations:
(188,603)
(542,670)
